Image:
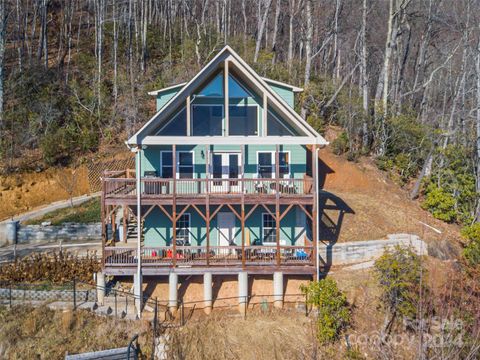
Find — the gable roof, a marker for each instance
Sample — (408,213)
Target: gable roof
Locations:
(143,136)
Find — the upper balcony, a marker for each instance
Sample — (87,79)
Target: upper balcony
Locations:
(121,187)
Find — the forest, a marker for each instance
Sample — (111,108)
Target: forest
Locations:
(401,78)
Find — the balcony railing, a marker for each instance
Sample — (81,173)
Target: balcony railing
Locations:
(214,256)
(120,186)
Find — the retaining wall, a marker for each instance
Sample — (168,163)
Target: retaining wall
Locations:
(30,234)
(360,251)
(47,295)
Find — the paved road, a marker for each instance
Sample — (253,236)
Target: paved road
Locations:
(36,213)
(7,253)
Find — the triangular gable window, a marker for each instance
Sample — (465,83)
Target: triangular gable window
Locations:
(235,90)
(275,127)
(177,126)
(214,88)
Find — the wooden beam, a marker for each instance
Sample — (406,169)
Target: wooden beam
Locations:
(264,114)
(199,212)
(305,211)
(150,209)
(277,202)
(216,211)
(182,212)
(242,220)
(314,206)
(187,107)
(251,211)
(207,215)
(226,98)
(234,211)
(268,210)
(174,205)
(165,212)
(286,211)
(124,222)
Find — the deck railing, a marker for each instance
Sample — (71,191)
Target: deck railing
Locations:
(117,186)
(215,256)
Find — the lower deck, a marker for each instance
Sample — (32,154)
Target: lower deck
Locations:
(222,260)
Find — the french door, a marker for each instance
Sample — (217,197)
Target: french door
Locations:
(225,167)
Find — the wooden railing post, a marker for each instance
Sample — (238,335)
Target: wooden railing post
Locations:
(174,204)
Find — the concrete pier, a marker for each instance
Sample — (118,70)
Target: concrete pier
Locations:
(172,292)
(138,292)
(100,287)
(278,289)
(207,292)
(242,292)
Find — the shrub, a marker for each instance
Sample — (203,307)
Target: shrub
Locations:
(333,309)
(340,144)
(471,253)
(56,268)
(440,203)
(398,272)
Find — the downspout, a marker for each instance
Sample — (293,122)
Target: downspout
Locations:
(139,233)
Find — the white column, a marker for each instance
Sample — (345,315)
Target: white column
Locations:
(138,292)
(100,288)
(207,292)
(242,292)
(172,292)
(278,289)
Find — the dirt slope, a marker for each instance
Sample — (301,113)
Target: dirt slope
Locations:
(362,203)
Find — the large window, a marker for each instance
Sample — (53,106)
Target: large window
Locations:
(243,120)
(276,128)
(176,126)
(183,229)
(207,120)
(184,164)
(269,230)
(266,164)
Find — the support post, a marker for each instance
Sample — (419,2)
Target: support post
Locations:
(124,223)
(243,292)
(277,203)
(172,292)
(100,287)
(174,205)
(102,214)
(207,292)
(207,202)
(315,211)
(278,289)
(226,98)
(138,293)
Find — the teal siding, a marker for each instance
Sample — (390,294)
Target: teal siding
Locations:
(285,93)
(298,158)
(165,96)
(158,228)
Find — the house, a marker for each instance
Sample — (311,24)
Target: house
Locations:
(224,181)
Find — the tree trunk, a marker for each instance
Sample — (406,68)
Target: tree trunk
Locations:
(278,7)
(477,66)
(3,28)
(260,30)
(308,50)
(364,77)
(290,35)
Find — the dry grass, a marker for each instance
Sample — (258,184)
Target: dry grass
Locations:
(41,333)
(270,335)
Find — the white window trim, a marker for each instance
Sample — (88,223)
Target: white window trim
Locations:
(280,122)
(263,227)
(229,152)
(177,175)
(223,117)
(274,161)
(189,226)
(258,118)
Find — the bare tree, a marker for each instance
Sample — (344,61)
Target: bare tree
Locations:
(261,29)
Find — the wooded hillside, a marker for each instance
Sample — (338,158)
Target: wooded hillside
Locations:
(402,77)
